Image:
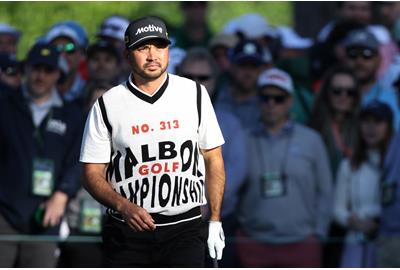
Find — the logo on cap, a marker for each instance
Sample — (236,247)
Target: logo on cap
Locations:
(150,27)
(45,52)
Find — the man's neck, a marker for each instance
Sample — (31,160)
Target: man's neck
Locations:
(148,86)
(39,100)
(275,128)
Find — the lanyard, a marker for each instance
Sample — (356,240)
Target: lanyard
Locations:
(38,133)
(283,163)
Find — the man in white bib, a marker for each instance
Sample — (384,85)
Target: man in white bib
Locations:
(146,148)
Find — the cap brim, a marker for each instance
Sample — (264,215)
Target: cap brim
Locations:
(146,39)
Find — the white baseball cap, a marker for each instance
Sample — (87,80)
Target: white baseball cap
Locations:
(251,25)
(8,29)
(113,27)
(276,77)
(291,40)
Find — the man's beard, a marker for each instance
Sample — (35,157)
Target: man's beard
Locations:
(148,76)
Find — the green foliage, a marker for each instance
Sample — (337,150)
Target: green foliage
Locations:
(35,18)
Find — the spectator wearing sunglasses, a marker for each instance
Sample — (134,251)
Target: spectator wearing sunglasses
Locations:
(362,56)
(286,203)
(200,66)
(70,38)
(335,118)
(10,73)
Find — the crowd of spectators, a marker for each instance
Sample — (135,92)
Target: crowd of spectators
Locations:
(312,151)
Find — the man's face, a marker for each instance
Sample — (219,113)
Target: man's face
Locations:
(41,79)
(103,66)
(357,11)
(364,62)
(275,105)
(8,44)
(245,75)
(150,60)
(201,72)
(70,51)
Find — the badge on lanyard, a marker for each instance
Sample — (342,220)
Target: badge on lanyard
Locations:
(273,184)
(90,217)
(388,193)
(42,177)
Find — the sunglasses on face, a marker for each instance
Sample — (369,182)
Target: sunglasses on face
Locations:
(278,99)
(339,91)
(363,53)
(197,78)
(67,48)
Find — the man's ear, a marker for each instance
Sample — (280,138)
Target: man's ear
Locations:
(127,54)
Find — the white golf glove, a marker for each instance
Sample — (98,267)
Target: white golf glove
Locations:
(216,239)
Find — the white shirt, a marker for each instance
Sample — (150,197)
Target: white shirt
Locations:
(154,144)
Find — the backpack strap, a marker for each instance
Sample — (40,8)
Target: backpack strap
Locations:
(198,88)
(104,114)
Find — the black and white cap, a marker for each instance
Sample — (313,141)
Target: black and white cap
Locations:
(144,29)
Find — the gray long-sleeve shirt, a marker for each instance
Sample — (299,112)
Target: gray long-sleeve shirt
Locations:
(306,207)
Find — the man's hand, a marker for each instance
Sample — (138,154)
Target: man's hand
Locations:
(137,217)
(55,207)
(216,239)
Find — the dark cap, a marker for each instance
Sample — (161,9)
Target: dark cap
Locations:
(43,54)
(377,109)
(247,50)
(144,29)
(102,46)
(9,64)
(361,38)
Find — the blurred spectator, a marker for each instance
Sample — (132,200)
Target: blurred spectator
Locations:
(253,26)
(10,73)
(389,231)
(335,117)
(219,47)
(357,12)
(357,200)
(389,14)
(293,58)
(70,38)
(103,62)
(40,138)
(363,58)
(286,202)
(84,214)
(200,66)
(9,37)
(335,114)
(112,29)
(239,94)
(176,56)
(195,30)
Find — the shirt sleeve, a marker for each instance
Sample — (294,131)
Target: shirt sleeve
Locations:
(96,141)
(210,135)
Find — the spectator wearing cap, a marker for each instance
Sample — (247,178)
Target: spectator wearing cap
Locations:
(239,93)
(288,173)
(200,66)
(219,47)
(357,196)
(103,62)
(70,38)
(40,146)
(9,37)
(388,242)
(10,73)
(112,30)
(194,31)
(362,56)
